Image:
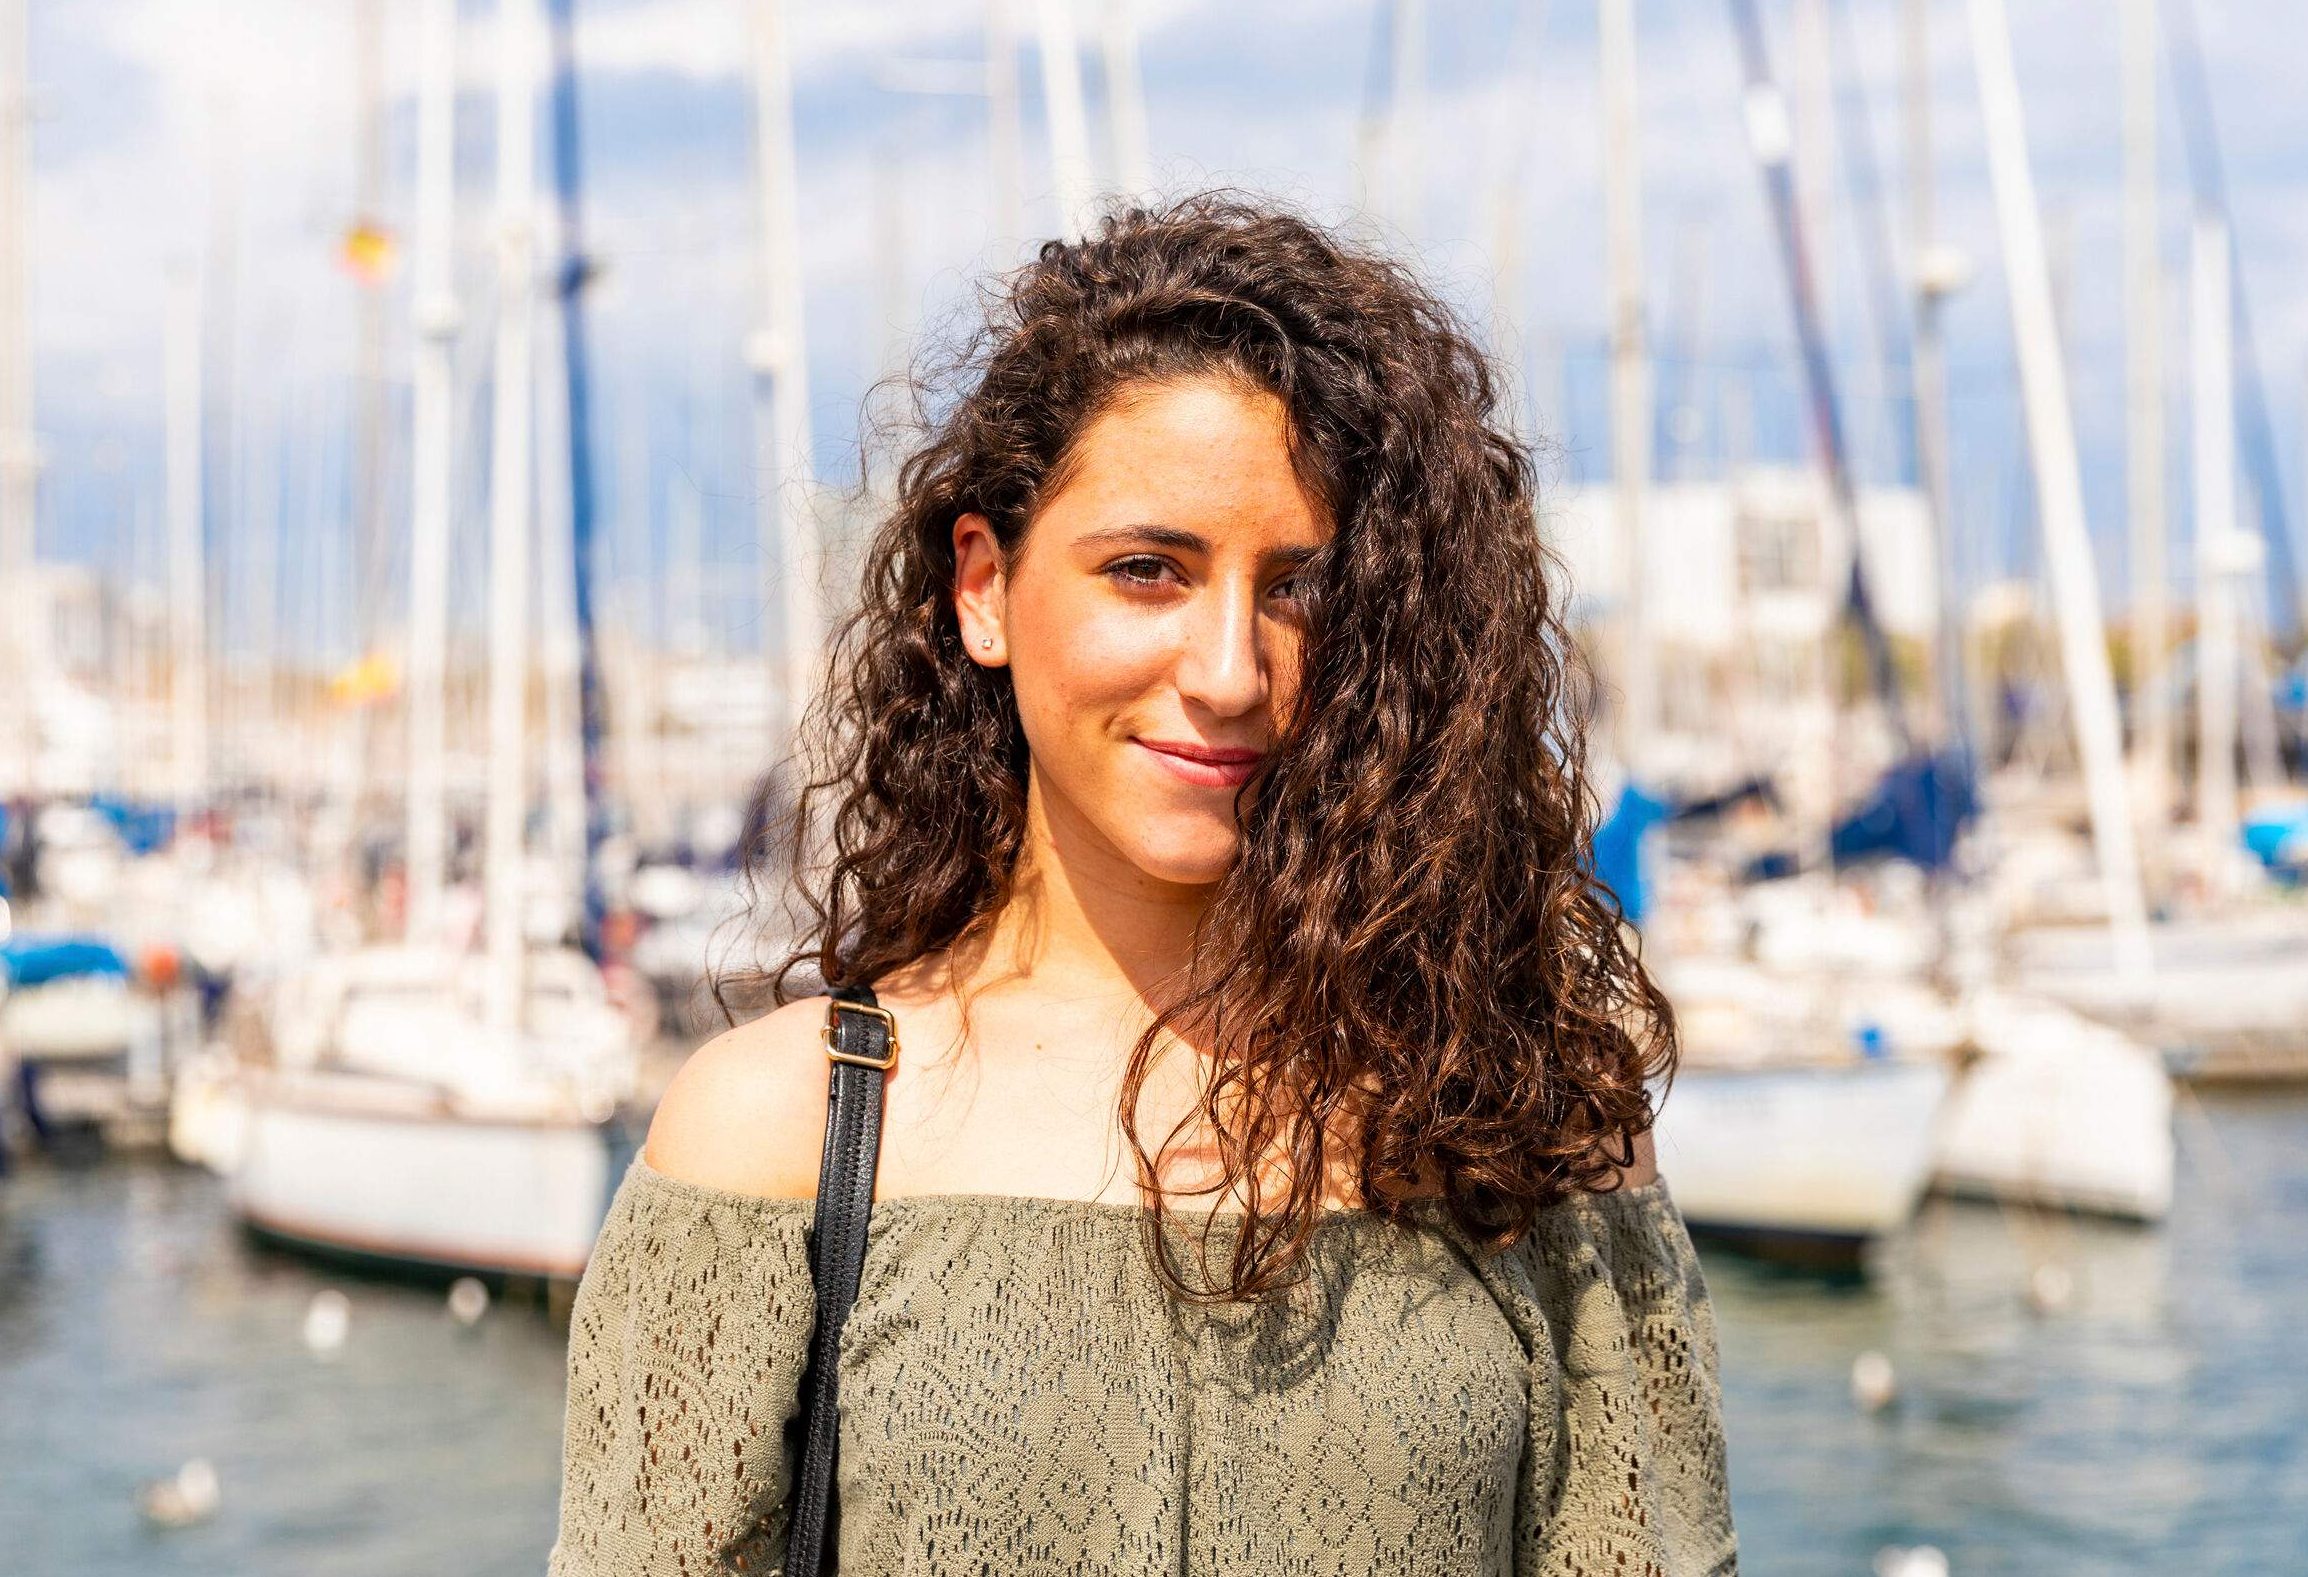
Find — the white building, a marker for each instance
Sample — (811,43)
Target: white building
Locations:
(1743,593)
(1756,557)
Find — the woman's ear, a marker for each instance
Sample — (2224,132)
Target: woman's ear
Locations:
(980,585)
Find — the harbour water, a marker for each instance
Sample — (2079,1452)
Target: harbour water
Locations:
(2073,1397)
(2076,1397)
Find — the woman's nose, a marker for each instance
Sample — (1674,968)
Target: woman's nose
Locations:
(1222,666)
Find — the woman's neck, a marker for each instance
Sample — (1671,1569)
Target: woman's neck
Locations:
(1085,921)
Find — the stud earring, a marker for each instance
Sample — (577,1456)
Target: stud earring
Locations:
(986,641)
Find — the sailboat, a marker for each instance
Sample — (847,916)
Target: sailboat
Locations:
(2054,1109)
(1801,1120)
(2228,1002)
(395,1127)
(2227,999)
(1976,1090)
(1801,1123)
(418,1106)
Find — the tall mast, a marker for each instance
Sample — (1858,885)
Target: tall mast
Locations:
(1391,138)
(1406,121)
(1812,151)
(1630,366)
(1004,162)
(2256,687)
(19,448)
(369,555)
(223,533)
(558,648)
(2217,549)
(1506,157)
(787,526)
(2256,431)
(187,547)
(1934,279)
(1891,371)
(434,316)
(1069,124)
(510,468)
(266,753)
(1769,132)
(2059,486)
(576,539)
(1370,130)
(2144,419)
(1126,99)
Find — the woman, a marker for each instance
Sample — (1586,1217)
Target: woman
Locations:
(1202,789)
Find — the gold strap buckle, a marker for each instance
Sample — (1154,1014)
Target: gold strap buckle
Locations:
(832,1036)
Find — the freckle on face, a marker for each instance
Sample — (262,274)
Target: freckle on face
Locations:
(1187,643)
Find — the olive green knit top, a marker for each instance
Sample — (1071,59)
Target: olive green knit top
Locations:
(1021,1394)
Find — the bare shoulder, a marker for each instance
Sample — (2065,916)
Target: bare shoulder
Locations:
(746,1113)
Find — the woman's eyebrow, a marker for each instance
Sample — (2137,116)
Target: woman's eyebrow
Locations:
(1146,532)
(1149,534)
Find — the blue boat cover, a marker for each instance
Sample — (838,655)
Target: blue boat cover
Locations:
(1618,848)
(1915,813)
(2278,838)
(36,960)
(143,828)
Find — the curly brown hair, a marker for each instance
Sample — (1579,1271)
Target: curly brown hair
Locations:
(1411,956)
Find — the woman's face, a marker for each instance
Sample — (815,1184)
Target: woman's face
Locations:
(1150,621)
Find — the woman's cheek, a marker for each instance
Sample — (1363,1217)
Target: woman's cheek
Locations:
(1078,680)
(1101,664)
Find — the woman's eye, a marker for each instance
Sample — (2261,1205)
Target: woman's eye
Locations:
(1140,571)
(1295,593)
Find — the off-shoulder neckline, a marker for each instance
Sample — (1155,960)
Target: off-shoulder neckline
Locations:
(1629,1197)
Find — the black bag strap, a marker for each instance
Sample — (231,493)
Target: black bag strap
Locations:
(861,1043)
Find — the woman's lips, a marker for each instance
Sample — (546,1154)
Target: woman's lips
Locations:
(1205,768)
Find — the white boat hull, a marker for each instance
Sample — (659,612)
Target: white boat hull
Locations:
(2228,998)
(1838,1152)
(208,1114)
(393,1172)
(2058,1111)
(92,1019)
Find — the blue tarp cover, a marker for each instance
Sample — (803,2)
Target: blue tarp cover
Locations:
(2278,837)
(142,827)
(35,960)
(1914,814)
(1618,853)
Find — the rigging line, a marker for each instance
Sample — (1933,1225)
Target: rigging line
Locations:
(1865,177)
(1378,90)
(2191,85)
(571,274)
(1768,133)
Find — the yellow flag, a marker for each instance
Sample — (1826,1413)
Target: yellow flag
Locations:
(369,252)
(372,678)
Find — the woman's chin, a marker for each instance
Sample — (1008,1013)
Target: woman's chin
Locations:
(1195,857)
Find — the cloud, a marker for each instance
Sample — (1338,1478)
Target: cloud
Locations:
(161,114)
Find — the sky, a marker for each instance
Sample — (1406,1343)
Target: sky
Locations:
(214,140)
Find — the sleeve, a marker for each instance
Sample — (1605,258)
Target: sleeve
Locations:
(1623,1467)
(687,1338)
